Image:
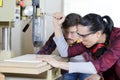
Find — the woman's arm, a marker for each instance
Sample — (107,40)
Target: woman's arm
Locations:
(72,67)
(55,63)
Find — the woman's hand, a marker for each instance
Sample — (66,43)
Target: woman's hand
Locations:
(55,63)
(50,60)
(94,77)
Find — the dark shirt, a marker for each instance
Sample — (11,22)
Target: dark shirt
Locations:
(49,46)
(111,57)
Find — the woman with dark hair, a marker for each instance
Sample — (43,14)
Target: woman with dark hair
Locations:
(92,30)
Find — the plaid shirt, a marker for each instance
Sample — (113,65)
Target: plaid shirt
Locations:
(49,46)
(110,60)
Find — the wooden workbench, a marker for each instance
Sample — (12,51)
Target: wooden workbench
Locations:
(19,65)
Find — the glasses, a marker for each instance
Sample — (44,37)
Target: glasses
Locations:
(85,35)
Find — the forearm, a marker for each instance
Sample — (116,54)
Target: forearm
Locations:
(72,67)
(82,67)
(63,65)
(77,67)
(62,46)
(58,31)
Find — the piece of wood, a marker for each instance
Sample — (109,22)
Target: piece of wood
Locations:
(28,58)
(30,64)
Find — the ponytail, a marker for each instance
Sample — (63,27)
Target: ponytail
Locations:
(108,24)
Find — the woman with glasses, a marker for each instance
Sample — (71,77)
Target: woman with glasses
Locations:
(92,30)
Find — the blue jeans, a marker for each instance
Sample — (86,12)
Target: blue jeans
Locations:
(75,76)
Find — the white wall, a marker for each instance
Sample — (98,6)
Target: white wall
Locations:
(50,7)
(103,7)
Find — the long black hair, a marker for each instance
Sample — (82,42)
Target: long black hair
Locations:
(97,23)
